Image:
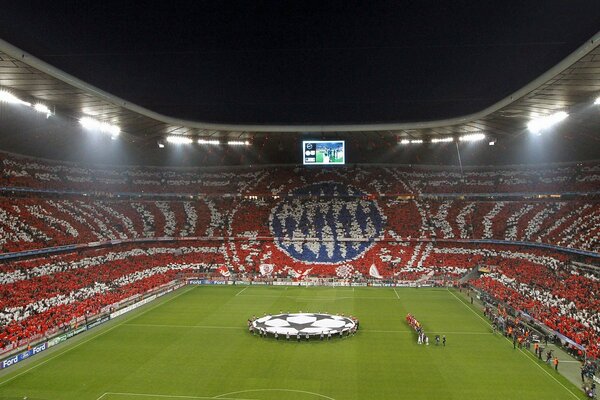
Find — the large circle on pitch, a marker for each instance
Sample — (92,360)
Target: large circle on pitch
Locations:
(327,214)
(303,324)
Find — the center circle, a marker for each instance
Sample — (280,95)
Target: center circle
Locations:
(312,324)
(326,223)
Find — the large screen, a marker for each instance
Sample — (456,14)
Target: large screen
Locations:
(323,152)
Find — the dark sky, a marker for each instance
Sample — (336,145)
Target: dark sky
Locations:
(303,61)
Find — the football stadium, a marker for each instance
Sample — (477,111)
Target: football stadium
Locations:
(299,200)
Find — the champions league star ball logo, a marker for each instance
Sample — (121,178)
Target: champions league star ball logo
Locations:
(312,223)
(304,324)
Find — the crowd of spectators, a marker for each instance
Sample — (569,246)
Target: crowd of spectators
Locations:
(37,295)
(354,222)
(557,294)
(18,171)
(36,222)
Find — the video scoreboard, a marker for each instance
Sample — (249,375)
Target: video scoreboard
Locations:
(324,152)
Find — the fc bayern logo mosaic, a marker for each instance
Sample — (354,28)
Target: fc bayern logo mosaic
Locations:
(339,216)
(344,213)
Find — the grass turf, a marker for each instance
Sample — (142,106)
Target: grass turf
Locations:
(193,344)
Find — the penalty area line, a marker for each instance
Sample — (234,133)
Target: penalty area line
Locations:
(520,350)
(396,294)
(222,396)
(162,396)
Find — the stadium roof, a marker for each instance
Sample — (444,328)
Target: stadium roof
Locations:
(573,82)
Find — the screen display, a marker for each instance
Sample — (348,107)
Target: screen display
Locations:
(323,152)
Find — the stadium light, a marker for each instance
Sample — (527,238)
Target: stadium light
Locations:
(411,141)
(43,109)
(204,141)
(539,124)
(161,145)
(472,137)
(238,143)
(492,143)
(179,140)
(105,127)
(597,101)
(8,97)
(442,140)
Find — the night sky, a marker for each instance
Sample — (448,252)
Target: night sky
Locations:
(303,61)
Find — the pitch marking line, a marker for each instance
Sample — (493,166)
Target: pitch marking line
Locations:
(306,298)
(273,390)
(243,328)
(241,291)
(187,326)
(164,396)
(521,350)
(89,339)
(396,294)
(437,332)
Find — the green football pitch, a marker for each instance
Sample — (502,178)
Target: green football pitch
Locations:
(194,344)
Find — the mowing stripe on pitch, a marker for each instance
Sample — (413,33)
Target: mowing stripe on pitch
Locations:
(89,339)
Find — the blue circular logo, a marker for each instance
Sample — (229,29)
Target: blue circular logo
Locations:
(317,222)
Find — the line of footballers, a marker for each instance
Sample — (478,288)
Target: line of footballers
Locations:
(422,338)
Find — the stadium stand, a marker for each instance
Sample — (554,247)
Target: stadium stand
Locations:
(27,172)
(34,222)
(151,225)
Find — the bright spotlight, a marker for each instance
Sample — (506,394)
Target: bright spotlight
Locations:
(204,141)
(416,141)
(8,97)
(472,137)
(94,124)
(597,101)
(43,109)
(539,124)
(442,140)
(492,143)
(404,141)
(179,140)
(161,145)
(238,143)
(89,123)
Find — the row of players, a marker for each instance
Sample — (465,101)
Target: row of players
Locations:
(422,338)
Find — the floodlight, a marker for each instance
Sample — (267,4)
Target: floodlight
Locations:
(442,140)
(89,123)
(472,137)
(42,108)
(205,141)
(404,141)
(539,124)
(179,140)
(8,97)
(597,101)
(238,143)
(415,141)
(105,127)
